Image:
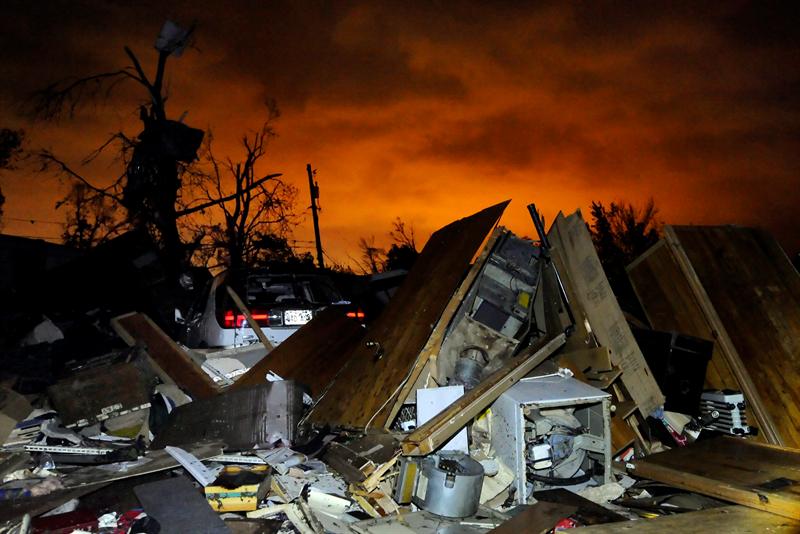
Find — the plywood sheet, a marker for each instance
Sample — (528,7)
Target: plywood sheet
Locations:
(765,477)
(736,286)
(378,367)
(755,292)
(596,303)
(727,519)
(670,305)
(311,356)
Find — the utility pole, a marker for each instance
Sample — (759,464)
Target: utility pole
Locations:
(314,188)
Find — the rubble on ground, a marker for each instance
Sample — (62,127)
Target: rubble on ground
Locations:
(501,389)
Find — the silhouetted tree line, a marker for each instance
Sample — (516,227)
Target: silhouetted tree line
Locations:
(621,233)
(401,253)
(10,152)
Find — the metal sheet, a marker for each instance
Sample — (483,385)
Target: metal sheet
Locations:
(252,417)
(179,507)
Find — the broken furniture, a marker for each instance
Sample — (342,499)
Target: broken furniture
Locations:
(379,366)
(552,430)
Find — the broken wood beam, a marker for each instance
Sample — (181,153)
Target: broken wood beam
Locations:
(138,329)
(250,321)
(430,436)
(742,471)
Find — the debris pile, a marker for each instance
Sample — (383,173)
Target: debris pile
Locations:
(501,389)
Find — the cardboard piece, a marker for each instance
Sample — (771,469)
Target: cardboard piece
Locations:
(583,271)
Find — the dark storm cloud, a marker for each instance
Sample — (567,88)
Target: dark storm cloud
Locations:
(683,101)
(513,138)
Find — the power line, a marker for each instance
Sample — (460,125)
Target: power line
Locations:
(33,221)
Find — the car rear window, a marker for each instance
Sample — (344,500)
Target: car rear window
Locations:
(264,291)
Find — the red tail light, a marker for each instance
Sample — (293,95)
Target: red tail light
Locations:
(236,319)
(358,314)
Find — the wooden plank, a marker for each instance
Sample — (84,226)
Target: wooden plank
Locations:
(262,337)
(430,436)
(593,296)
(313,355)
(727,519)
(434,343)
(137,328)
(378,367)
(732,469)
(536,518)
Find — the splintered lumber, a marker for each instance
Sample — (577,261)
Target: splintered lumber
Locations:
(378,368)
(593,301)
(138,329)
(765,477)
(431,435)
(313,355)
(735,286)
(727,519)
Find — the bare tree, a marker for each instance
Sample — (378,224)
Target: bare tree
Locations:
(256,210)
(622,232)
(402,236)
(403,252)
(373,258)
(155,161)
(10,151)
(92,219)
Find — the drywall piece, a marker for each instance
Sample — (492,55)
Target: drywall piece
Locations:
(736,286)
(313,355)
(139,329)
(582,270)
(255,417)
(765,477)
(179,507)
(363,393)
(431,401)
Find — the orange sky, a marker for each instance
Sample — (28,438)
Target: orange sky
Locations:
(434,110)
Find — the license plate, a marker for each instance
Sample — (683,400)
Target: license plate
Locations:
(296,317)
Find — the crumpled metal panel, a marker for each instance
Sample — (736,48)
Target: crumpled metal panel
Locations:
(255,417)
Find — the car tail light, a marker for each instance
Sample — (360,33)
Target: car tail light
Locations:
(236,319)
(358,314)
